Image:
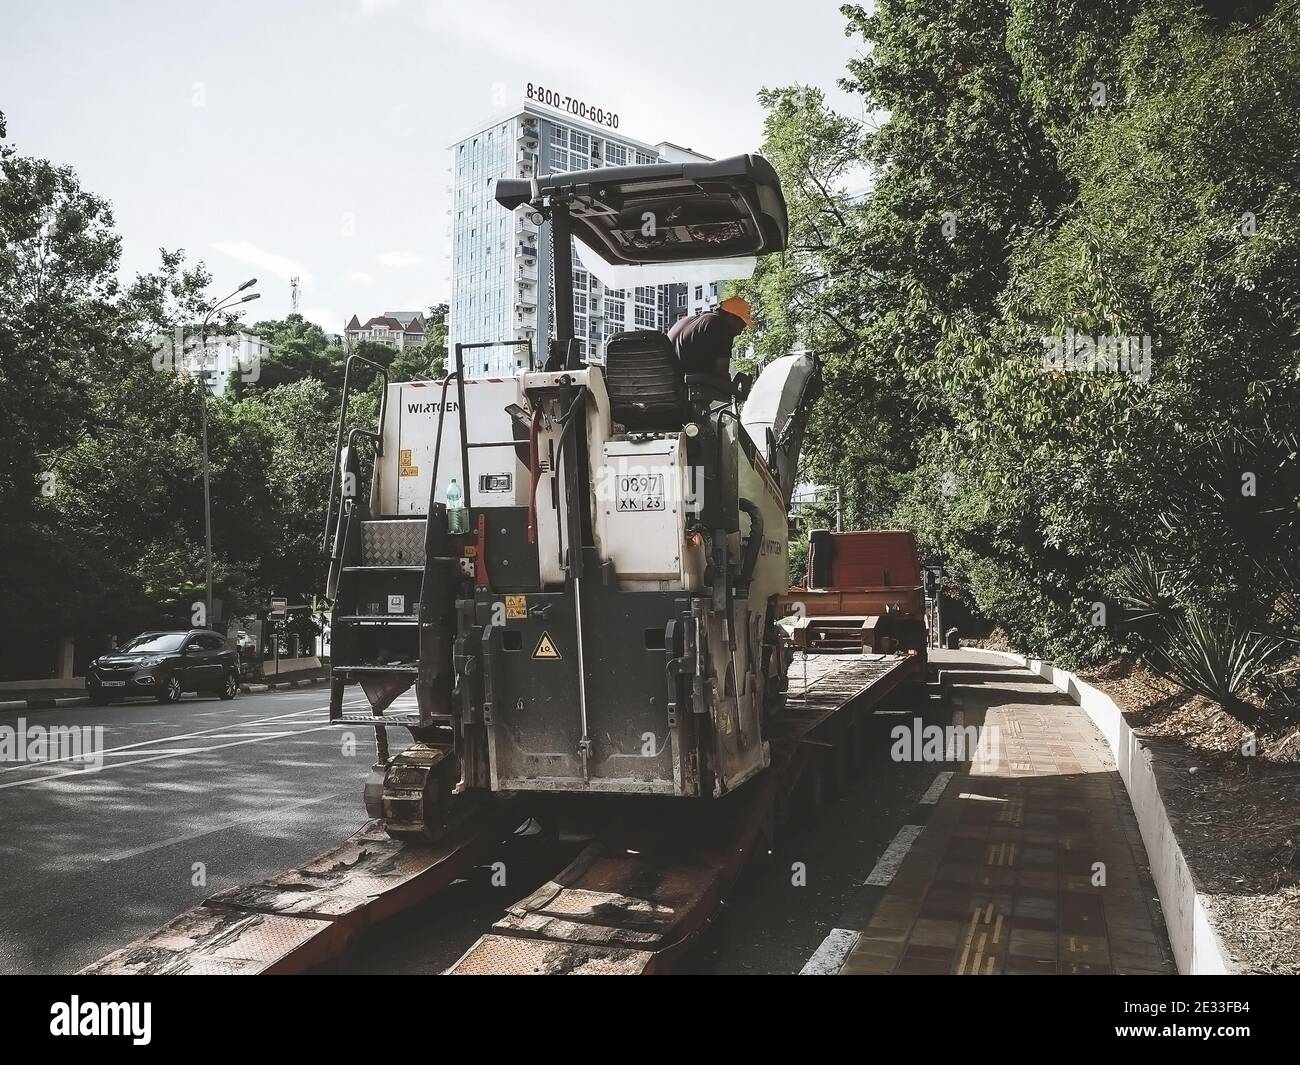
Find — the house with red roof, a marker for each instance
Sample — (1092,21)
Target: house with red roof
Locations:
(397,329)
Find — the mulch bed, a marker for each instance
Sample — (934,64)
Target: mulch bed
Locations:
(1236,815)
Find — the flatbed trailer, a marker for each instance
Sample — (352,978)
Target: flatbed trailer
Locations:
(632,902)
(298,920)
(636,899)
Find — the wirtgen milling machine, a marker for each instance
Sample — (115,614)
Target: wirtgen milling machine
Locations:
(605,623)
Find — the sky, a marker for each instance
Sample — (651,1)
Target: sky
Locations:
(291,138)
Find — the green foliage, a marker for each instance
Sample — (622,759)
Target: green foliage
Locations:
(299,350)
(103,525)
(1010,201)
(1147,592)
(57,255)
(798,560)
(1215,658)
(429,362)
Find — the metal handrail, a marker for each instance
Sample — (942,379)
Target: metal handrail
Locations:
(460,396)
(437,446)
(377,435)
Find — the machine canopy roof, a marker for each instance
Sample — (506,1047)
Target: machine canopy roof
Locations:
(666,212)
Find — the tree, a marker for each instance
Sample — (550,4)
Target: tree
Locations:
(299,350)
(429,362)
(103,528)
(1048,170)
(90,533)
(57,285)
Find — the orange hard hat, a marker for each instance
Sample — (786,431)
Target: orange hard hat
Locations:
(740,308)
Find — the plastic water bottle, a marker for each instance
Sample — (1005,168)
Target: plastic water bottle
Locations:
(457,515)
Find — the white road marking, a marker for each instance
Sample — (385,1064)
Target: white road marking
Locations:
(887,865)
(831,954)
(261,816)
(127,754)
(90,771)
(186,736)
(238,735)
(935,790)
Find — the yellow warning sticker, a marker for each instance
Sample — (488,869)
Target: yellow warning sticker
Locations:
(545,648)
(516,607)
(404,457)
(409,471)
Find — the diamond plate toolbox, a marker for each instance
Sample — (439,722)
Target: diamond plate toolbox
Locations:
(393,543)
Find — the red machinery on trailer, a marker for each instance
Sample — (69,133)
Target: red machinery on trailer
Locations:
(864,592)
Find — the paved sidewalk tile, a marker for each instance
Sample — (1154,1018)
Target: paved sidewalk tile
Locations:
(1031,862)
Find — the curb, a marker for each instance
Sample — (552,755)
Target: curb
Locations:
(306,682)
(1197,948)
(37,702)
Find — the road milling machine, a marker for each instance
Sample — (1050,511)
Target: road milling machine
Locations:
(599,613)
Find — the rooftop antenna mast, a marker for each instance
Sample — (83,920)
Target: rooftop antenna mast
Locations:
(294,292)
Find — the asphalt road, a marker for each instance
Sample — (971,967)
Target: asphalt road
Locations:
(191,799)
(780,909)
(205,795)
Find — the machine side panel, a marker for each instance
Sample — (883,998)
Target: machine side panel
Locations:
(497,476)
(536,729)
(641,503)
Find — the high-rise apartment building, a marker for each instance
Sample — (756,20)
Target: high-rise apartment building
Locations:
(501,285)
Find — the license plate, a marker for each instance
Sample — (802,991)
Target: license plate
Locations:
(112,683)
(641,493)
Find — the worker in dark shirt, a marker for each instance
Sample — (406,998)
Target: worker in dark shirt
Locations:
(703,341)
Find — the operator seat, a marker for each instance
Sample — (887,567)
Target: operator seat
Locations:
(705,389)
(643,377)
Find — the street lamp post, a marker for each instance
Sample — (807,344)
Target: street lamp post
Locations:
(220,305)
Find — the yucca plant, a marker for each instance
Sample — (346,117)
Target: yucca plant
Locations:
(1146,591)
(1213,657)
(1148,597)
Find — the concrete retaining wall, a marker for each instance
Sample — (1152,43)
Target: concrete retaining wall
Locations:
(290,665)
(1197,949)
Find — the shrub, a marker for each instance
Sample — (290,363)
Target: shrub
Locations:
(1214,658)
